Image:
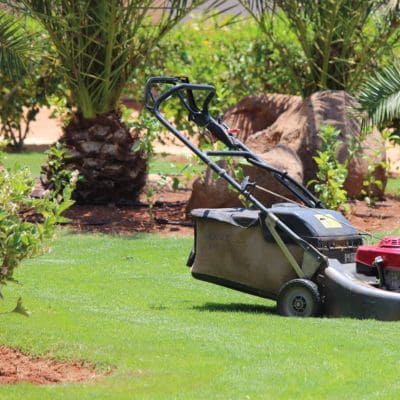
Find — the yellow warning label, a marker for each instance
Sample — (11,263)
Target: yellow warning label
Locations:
(328,221)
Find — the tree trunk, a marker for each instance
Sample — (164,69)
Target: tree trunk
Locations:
(102,151)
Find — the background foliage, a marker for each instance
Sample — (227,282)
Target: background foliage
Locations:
(340,40)
(34,87)
(234,57)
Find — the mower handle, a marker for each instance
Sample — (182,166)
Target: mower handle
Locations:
(184,90)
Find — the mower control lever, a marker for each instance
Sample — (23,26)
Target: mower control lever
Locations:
(246,183)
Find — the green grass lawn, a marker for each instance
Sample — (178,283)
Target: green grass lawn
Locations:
(34,160)
(129,303)
(393,186)
(31,159)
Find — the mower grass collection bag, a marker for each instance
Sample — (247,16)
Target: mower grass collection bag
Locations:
(234,248)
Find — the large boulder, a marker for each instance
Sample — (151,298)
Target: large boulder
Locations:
(209,192)
(284,131)
(255,113)
(298,128)
(373,152)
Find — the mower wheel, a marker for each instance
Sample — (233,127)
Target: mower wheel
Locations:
(299,298)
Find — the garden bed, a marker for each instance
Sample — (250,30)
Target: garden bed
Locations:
(168,216)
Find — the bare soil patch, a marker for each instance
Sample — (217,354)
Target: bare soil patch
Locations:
(18,367)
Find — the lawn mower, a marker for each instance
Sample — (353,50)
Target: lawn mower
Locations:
(309,259)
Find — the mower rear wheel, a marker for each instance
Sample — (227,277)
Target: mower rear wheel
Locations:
(299,298)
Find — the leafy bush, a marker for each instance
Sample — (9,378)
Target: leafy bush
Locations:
(372,185)
(56,177)
(26,224)
(331,173)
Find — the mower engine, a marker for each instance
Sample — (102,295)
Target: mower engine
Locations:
(382,260)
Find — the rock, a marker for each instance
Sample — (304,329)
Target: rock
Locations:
(255,113)
(284,131)
(209,192)
(298,129)
(373,153)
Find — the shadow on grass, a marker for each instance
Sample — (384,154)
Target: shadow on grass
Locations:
(236,307)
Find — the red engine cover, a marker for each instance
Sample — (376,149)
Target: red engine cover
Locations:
(388,248)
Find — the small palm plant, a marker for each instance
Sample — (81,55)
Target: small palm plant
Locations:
(99,44)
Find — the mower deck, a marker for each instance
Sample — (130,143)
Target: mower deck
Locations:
(354,295)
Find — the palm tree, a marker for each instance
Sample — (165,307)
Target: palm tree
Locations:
(99,45)
(328,44)
(379,97)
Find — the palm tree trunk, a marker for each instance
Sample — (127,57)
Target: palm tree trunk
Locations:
(102,151)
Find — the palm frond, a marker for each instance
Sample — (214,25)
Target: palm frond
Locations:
(339,39)
(14,45)
(379,96)
(100,43)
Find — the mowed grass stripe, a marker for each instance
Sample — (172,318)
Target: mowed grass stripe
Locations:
(130,305)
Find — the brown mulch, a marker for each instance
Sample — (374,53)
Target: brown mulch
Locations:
(18,367)
(384,216)
(168,216)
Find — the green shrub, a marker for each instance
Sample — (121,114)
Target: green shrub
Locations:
(372,185)
(26,224)
(331,173)
(55,177)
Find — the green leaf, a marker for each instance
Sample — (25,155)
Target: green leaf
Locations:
(175,183)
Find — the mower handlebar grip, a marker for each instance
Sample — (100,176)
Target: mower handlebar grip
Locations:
(200,117)
(155,80)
